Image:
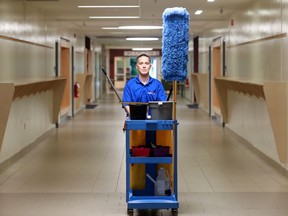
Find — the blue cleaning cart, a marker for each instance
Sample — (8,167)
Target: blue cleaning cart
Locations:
(140,190)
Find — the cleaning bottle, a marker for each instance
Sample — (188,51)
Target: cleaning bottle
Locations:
(162,182)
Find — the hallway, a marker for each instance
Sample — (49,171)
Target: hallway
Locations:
(79,169)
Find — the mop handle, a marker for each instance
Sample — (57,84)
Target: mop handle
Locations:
(123,106)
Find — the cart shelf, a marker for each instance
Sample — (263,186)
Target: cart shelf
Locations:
(146,160)
(150,124)
(152,202)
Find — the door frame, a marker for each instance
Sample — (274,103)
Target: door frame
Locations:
(216,68)
(66,71)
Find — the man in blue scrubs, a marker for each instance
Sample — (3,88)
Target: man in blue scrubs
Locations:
(143,88)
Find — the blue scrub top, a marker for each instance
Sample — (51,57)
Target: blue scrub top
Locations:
(135,91)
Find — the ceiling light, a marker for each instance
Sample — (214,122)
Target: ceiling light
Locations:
(108,6)
(198,12)
(141,27)
(134,27)
(109,28)
(142,38)
(142,49)
(114,17)
(210,0)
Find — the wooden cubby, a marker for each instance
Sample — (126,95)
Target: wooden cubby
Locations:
(11,91)
(275,95)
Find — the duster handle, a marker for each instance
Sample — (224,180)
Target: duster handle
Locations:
(174,99)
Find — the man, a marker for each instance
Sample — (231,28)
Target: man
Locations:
(143,88)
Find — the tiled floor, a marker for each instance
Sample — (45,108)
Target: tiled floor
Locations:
(79,169)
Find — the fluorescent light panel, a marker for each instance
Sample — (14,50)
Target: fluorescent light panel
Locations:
(108,6)
(142,38)
(114,17)
(134,27)
(109,28)
(142,49)
(210,0)
(140,27)
(198,12)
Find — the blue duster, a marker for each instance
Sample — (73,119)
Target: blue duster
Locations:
(175,44)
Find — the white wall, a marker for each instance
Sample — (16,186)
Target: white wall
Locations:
(249,119)
(204,44)
(250,57)
(30,117)
(28,52)
(260,61)
(79,59)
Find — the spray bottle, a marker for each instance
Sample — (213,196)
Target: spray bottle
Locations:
(162,182)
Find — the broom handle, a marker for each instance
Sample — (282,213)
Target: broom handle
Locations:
(174,99)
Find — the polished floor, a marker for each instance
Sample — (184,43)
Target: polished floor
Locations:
(79,169)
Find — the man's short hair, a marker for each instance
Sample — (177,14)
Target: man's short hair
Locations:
(141,55)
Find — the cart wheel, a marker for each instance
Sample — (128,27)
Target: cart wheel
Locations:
(174,212)
(130,212)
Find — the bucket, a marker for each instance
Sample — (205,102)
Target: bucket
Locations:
(161,110)
(161,151)
(138,111)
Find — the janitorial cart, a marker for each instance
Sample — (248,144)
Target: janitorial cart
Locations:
(151,179)
(151,165)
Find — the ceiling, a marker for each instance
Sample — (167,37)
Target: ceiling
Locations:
(215,15)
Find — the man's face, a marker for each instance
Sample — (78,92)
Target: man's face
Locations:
(143,65)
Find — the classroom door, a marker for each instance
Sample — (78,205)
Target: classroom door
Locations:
(215,72)
(65,71)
